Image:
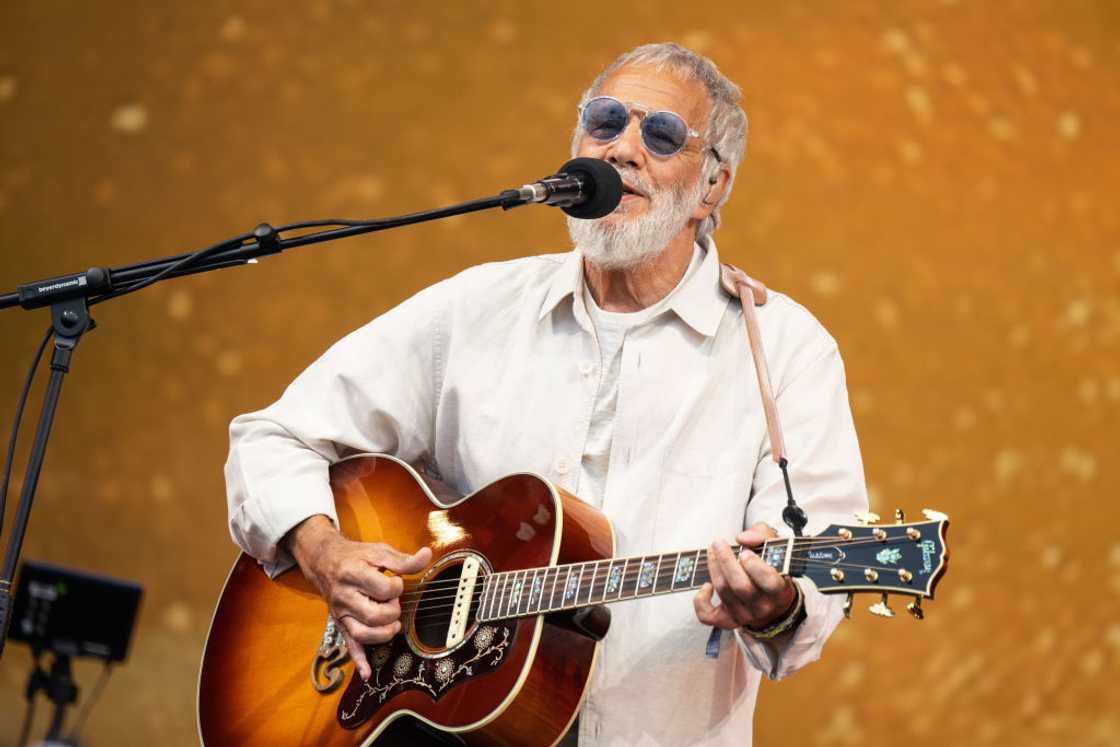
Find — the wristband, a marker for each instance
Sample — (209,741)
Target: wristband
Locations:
(789,622)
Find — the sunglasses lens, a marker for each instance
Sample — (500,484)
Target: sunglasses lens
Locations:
(664,133)
(604,119)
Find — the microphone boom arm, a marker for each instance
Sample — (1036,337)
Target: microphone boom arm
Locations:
(70,296)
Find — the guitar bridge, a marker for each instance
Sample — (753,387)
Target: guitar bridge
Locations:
(460,614)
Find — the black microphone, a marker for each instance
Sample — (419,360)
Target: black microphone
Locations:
(583,188)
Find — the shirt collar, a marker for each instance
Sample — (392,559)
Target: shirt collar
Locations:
(700,302)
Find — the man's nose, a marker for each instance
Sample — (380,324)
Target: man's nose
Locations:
(626,149)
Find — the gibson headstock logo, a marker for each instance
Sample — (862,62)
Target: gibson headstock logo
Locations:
(929,549)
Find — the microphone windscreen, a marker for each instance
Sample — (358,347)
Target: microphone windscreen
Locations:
(603,187)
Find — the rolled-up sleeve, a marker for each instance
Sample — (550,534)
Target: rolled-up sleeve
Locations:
(373,391)
(826,472)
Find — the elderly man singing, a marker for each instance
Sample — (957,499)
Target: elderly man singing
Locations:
(621,372)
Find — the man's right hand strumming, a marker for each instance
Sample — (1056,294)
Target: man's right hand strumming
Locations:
(351,577)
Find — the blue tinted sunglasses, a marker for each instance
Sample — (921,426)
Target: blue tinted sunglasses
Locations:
(664,133)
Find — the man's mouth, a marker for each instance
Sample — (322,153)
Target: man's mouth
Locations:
(632,191)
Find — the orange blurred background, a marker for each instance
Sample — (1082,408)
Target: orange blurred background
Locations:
(932,179)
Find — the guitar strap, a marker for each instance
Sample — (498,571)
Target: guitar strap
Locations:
(751,293)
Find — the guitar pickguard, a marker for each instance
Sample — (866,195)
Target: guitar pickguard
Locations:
(396,668)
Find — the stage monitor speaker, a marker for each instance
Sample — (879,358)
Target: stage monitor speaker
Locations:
(74,613)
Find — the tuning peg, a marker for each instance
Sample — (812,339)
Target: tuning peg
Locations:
(899,517)
(881,608)
(932,515)
(915,609)
(866,517)
(848,606)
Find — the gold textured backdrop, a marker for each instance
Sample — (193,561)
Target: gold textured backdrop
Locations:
(935,180)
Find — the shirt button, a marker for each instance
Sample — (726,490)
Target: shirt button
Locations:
(562,466)
(586,368)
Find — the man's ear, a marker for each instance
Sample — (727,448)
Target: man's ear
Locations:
(717,187)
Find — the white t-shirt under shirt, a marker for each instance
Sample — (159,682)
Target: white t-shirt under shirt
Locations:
(611,328)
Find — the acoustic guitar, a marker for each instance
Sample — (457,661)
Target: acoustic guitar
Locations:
(500,633)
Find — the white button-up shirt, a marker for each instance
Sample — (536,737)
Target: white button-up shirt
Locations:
(496,371)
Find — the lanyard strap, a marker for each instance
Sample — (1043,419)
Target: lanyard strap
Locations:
(752,293)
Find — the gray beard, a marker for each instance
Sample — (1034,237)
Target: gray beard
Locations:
(620,244)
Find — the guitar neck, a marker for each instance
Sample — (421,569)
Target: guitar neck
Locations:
(535,591)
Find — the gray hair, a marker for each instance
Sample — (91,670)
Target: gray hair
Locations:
(726,132)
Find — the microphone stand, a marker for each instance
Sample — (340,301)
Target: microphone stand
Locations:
(70,296)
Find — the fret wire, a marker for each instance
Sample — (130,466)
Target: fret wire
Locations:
(638,575)
(507,593)
(526,586)
(695,567)
(521,592)
(656,573)
(607,580)
(533,587)
(556,586)
(505,587)
(622,578)
(594,568)
(540,596)
(515,592)
(594,575)
(494,603)
(579,584)
(482,599)
(552,597)
(544,584)
(672,569)
(512,604)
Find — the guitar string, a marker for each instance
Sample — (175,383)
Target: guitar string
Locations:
(671,557)
(423,610)
(813,543)
(413,599)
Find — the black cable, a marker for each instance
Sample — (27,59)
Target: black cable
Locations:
(184,262)
(15,425)
(88,706)
(507,199)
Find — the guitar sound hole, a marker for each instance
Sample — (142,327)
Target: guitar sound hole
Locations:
(437,601)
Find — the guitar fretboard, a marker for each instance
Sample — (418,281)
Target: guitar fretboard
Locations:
(536,591)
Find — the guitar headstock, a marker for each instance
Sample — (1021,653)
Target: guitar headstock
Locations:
(901,558)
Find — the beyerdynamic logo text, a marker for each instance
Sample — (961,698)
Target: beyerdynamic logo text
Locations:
(77,281)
